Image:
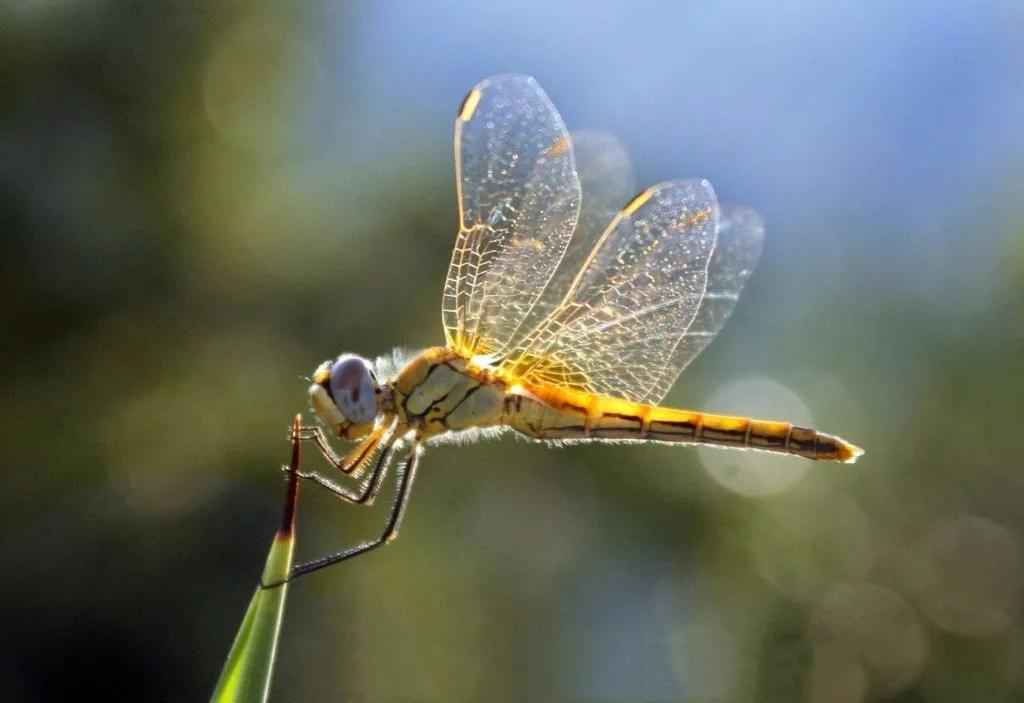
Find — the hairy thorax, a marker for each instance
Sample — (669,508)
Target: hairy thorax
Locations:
(439,391)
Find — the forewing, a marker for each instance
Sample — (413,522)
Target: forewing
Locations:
(519,198)
(619,326)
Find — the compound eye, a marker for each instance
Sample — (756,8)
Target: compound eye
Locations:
(352,388)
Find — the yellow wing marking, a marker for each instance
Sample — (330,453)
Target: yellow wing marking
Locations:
(470,104)
(560,147)
(637,202)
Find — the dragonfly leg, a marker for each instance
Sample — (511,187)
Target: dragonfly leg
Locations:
(366,494)
(312,432)
(404,475)
(356,461)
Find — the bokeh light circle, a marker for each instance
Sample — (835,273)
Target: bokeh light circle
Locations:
(972,576)
(756,473)
(809,543)
(864,626)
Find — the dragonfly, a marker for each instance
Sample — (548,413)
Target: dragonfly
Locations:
(560,324)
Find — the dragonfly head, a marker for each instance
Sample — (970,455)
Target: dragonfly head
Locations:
(345,395)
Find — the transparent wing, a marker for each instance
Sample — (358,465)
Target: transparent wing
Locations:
(519,198)
(622,327)
(607,181)
(737,249)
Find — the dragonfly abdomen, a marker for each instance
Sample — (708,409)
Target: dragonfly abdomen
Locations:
(579,416)
(667,424)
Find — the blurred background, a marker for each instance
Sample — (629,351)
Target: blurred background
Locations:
(201,202)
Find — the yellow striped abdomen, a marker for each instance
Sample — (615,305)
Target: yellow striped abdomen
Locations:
(550,413)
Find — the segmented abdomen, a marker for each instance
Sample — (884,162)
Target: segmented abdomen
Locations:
(557,414)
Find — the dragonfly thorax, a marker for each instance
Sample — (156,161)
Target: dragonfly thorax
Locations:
(346,395)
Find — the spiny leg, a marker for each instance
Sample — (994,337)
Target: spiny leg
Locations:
(369,490)
(312,432)
(404,475)
(355,461)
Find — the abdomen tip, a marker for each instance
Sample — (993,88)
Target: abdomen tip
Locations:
(848,453)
